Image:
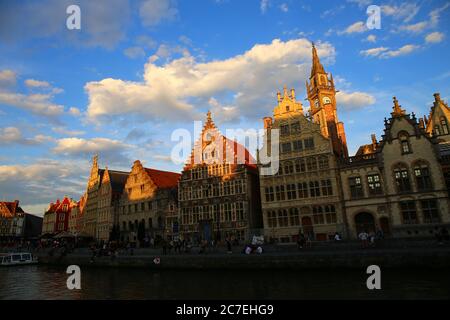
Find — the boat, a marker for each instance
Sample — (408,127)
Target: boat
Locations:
(17,258)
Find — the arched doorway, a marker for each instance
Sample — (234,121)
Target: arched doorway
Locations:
(384,226)
(364,221)
(308,228)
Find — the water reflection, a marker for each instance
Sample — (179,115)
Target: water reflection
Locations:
(41,282)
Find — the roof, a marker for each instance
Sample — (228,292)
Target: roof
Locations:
(9,209)
(118,180)
(163,179)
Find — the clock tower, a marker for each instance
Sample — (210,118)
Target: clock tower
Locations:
(322,99)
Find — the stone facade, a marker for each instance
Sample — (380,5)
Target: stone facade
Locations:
(149,197)
(219,190)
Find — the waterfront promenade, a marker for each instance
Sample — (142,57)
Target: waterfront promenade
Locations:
(387,253)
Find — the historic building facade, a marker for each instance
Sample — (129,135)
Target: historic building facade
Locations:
(149,198)
(57,216)
(90,211)
(218,191)
(396,185)
(304,195)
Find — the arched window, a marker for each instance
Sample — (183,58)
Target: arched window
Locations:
(444,125)
(404,142)
(423,176)
(294,219)
(401,176)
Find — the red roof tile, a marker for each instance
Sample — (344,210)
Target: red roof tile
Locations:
(163,179)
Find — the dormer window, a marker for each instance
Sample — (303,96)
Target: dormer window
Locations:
(404,142)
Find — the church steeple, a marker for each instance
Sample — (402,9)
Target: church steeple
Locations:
(322,99)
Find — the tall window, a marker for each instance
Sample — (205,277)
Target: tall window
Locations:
(374,184)
(294,219)
(409,213)
(314,188)
(423,178)
(295,126)
(323,162)
(402,179)
(272,219)
(288,167)
(283,218)
(284,129)
(300,165)
(286,147)
(444,125)
(437,131)
(309,143)
(291,192)
(240,211)
(318,215)
(269,194)
(280,193)
(430,211)
(404,142)
(327,188)
(302,188)
(356,189)
(298,145)
(311,164)
(330,214)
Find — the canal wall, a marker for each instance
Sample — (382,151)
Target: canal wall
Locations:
(430,258)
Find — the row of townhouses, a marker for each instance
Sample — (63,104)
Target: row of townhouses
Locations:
(397,184)
(16,224)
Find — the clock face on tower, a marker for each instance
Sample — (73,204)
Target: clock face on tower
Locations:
(326,100)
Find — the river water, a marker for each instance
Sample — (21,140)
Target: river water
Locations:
(43,282)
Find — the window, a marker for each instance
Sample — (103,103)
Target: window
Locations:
(309,143)
(437,131)
(240,211)
(356,189)
(311,164)
(286,147)
(288,168)
(280,193)
(374,184)
(314,188)
(423,178)
(444,125)
(404,142)
(284,129)
(430,211)
(409,214)
(298,145)
(300,165)
(323,162)
(283,218)
(330,214)
(302,190)
(402,179)
(318,215)
(269,194)
(272,219)
(295,126)
(291,192)
(327,188)
(293,217)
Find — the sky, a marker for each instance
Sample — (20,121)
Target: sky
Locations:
(136,71)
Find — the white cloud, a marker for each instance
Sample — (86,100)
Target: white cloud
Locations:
(264,5)
(383,52)
(284,7)
(74,111)
(153,12)
(7,78)
(67,132)
(354,100)
(31,83)
(434,18)
(134,52)
(357,27)
(434,37)
(223,113)
(171,90)
(39,104)
(405,11)
(371,38)
(70,146)
(13,135)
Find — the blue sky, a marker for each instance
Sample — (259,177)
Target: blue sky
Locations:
(137,70)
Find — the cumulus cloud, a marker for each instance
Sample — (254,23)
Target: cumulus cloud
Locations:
(13,135)
(223,113)
(113,151)
(371,38)
(354,100)
(67,132)
(406,11)
(373,52)
(39,104)
(31,83)
(432,22)
(172,90)
(434,37)
(7,78)
(134,52)
(153,12)
(74,111)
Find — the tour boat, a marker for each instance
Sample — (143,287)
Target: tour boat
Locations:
(17,258)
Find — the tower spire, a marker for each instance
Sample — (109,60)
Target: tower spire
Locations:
(397,109)
(316,65)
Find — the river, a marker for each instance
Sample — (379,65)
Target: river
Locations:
(44,282)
